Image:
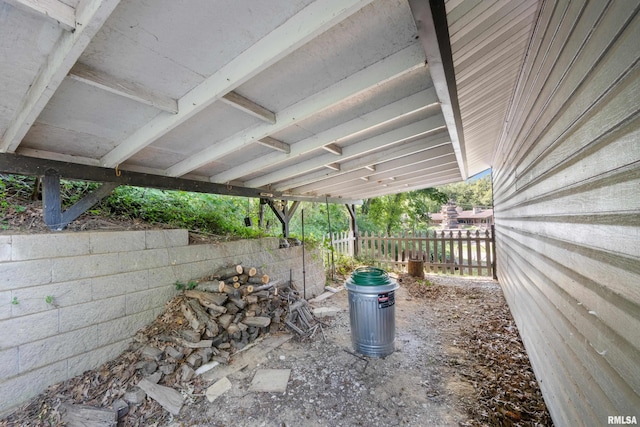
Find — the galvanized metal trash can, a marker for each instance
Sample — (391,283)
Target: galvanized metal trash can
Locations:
(372,311)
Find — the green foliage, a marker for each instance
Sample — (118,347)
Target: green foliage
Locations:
(48,299)
(386,211)
(15,301)
(189,286)
(470,194)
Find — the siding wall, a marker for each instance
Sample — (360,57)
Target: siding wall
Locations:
(567,207)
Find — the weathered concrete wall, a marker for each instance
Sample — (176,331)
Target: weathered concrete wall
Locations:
(72,301)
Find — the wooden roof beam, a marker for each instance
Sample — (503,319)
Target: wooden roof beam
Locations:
(394,111)
(246,105)
(333,149)
(90,15)
(405,133)
(385,70)
(96,78)
(275,144)
(54,10)
(310,22)
(369,161)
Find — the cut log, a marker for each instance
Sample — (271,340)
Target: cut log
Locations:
(225,320)
(243,278)
(83,415)
(191,317)
(415,268)
(252,272)
(256,280)
(184,343)
(210,300)
(227,272)
(204,317)
(229,290)
(168,398)
(238,302)
(260,322)
(277,284)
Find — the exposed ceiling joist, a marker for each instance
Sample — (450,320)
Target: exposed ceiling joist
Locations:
(96,78)
(54,10)
(385,70)
(275,144)
(248,106)
(295,32)
(90,15)
(436,156)
(414,130)
(368,161)
(394,111)
(333,149)
(431,21)
(333,166)
(401,186)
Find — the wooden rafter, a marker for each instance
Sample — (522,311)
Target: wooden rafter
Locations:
(387,69)
(275,144)
(131,90)
(248,106)
(414,130)
(90,15)
(295,32)
(394,111)
(53,10)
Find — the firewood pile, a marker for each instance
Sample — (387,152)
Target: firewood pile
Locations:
(200,329)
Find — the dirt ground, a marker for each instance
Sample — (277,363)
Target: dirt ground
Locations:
(458,360)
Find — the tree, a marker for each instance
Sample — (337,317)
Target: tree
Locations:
(470,194)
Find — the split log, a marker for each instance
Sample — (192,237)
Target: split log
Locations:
(168,398)
(225,320)
(227,272)
(415,268)
(238,302)
(256,280)
(210,300)
(82,415)
(191,317)
(277,284)
(260,322)
(184,343)
(243,278)
(204,317)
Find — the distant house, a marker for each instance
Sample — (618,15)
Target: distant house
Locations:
(453,217)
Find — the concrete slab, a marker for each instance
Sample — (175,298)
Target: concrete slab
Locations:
(326,311)
(270,380)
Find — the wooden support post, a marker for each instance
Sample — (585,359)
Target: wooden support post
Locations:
(353,226)
(53,215)
(284,215)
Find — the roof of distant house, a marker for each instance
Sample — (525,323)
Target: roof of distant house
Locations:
(471,214)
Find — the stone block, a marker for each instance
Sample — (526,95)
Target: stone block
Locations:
(166,238)
(5,248)
(94,358)
(8,363)
(5,304)
(17,390)
(18,274)
(25,329)
(163,276)
(123,328)
(90,313)
(135,396)
(117,241)
(57,245)
(81,267)
(119,284)
(149,299)
(35,299)
(53,349)
(142,260)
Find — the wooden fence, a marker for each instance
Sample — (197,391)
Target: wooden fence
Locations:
(463,252)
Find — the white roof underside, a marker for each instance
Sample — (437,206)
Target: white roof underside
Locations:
(315,99)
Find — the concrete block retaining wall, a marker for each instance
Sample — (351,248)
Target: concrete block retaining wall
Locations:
(72,301)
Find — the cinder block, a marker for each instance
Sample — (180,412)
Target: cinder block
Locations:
(117,241)
(123,328)
(84,315)
(34,299)
(5,304)
(5,248)
(119,284)
(147,300)
(74,268)
(20,389)
(141,260)
(193,253)
(166,238)
(36,246)
(19,274)
(94,358)
(25,329)
(57,348)
(8,363)
(163,276)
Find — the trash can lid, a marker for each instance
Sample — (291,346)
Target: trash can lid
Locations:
(370,276)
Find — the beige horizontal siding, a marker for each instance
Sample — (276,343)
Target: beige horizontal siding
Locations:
(566,177)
